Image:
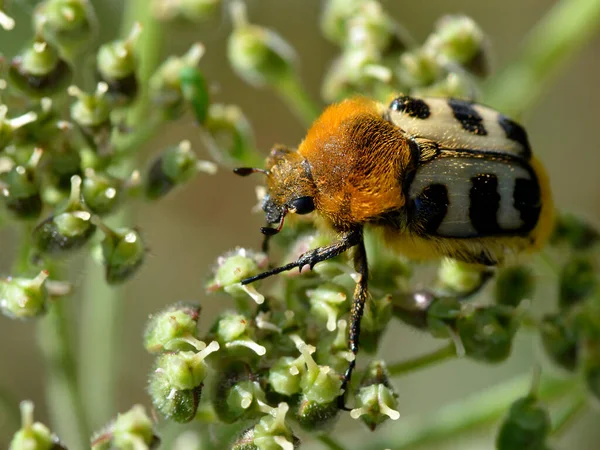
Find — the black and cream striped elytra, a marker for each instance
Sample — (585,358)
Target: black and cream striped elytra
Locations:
(473,177)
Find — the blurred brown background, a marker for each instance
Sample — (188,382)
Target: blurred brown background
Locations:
(188,229)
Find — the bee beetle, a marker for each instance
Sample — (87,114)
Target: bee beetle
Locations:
(440,177)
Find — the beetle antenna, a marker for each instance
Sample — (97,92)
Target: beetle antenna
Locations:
(268,231)
(245,171)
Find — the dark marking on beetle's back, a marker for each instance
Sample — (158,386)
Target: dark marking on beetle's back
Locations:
(430,208)
(516,133)
(527,200)
(468,117)
(484,204)
(413,107)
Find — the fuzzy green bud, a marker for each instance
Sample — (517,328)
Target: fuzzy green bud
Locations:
(376,316)
(327,303)
(236,332)
(39,71)
(195,92)
(186,370)
(232,268)
(33,435)
(232,137)
(526,427)
(123,252)
(560,340)
(574,232)
(173,329)
(69,229)
(258,55)
(376,400)
(165,85)
(513,285)
(64,162)
(117,64)
(131,430)
(180,406)
(8,127)
(69,24)
(235,396)
(91,112)
(21,190)
(459,39)
(174,167)
(273,433)
(319,384)
(285,375)
(577,280)
(102,193)
(486,333)
(459,278)
(23,298)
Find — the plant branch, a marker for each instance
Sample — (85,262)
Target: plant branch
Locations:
(568,415)
(329,442)
(423,361)
(567,27)
(294,94)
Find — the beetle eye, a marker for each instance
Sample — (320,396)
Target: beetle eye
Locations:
(302,205)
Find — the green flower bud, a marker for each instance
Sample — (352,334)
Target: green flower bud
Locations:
(102,193)
(21,189)
(412,307)
(195,91)
(165,84)
(67,230)
(185,370)
(334,350)
(130,430)
(258,55)
(64,162)
(577,280)
(335,18)
(560,340)
(39,71)
(236,396)
(173,329)
(232,268)
(91,112)
(236,333)
(486,333)
(123,252)
(23,298)
(285,374)
(376,400)
(526,427)
(33,435)
(8,127)
(376,316)
(327,303)
(117,65)
(175,166)
(180,406)
(69,24)
(513,285)
(232,137)
(273,433)
(314,416)
(459,39)
(459,278)
(192,10)
(420,68)
(574,232)
(442,315)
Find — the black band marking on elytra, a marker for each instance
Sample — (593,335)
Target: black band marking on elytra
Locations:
(515,133)
(413,107)
(430,208)
(484,204)
(468,117)
(528,201)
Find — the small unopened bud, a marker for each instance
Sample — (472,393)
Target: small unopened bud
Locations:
(39,71)
(22,298)
(173,329)
(420,67)
(20,189)
(69,24)
(285,375)
(117,65)
(195,91)
(335,17)
(574,232)
(328,302)
(102,193)
(527,425)
(186,370)
(91,112)
(133,429)
(376,400)
(258,55)
(486,333)
(173,167)
(33,435)
(235,332)
(9,126)
(578,279)
(460,278)
(232,268)
(560,340)
(513,285)
(273,432)
(67,230)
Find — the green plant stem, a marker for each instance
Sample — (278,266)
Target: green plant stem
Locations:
(474,411)
(63,391)
(566,28)
(569,415)
(330,443)
(423,361)
(294,94)
(102,304)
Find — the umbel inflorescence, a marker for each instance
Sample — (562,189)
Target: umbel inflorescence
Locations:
(274,364)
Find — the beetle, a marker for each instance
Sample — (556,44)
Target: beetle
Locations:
(440,177)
